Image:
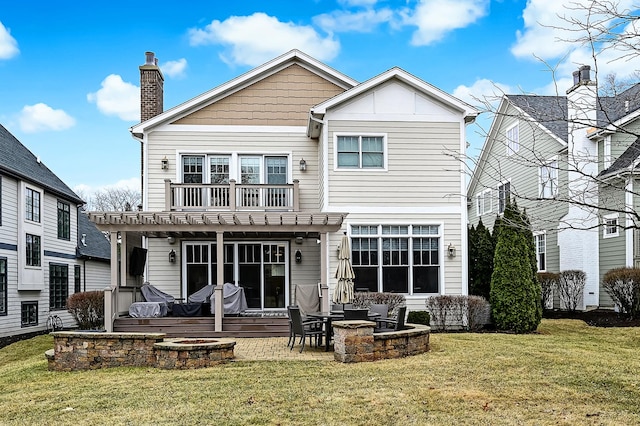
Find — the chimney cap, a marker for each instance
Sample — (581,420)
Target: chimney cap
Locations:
(150,58)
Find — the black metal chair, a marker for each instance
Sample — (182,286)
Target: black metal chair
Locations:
(397,324)
(303,328)
(356,314)
(383,310)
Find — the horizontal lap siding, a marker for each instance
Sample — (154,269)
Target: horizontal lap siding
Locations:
(9,193)
(166,143)
(419,171)
(613,249)
(50,240)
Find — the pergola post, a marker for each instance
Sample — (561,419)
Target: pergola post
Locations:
(218,294)
(324,286)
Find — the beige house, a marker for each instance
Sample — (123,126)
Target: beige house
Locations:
(255,182)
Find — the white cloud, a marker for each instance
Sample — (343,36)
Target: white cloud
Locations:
(8,44)
(257,38)
(174,69)
(41,117)
(481,92)
(117,97)
(361,21)
(435,18)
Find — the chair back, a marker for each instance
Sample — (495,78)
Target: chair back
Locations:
(380,308)
(296,319)
(340,307)
(356,314)
(402,312)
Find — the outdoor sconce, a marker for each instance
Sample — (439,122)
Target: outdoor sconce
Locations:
(172,256)
(303,165)
(171,240)
(165,163)
(299,240)
(451,250)
(298,256)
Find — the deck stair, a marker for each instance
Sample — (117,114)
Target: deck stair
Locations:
(242,326)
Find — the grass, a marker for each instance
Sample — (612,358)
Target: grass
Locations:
(567,374)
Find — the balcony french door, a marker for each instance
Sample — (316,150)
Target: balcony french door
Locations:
(260,268)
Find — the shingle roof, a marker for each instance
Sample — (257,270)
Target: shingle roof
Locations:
(549,111)
(18,161)
(625,160)
(614,108)
(95,245)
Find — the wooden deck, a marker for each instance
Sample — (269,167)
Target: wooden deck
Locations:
(250,326)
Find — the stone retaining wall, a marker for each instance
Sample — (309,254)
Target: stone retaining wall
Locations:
(355,341)
(87,351)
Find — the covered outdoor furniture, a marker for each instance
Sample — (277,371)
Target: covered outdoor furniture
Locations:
(147,309)
(235,301)
(394,325)
(153,294)
(187,309)
(304,328)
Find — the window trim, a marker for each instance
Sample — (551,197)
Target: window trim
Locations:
(547,164)
(512,146)
(77,278)
(409,236)
(501,208)
(27,305)
(481,198)
(29,194)
(26,252)
(536,241)
(66,220)
(64,286)
(235,169)
(385,152)
(606,226)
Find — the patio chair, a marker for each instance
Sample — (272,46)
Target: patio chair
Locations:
(356,314)
(394,325)
(339,307)
(307,328)
(383,310)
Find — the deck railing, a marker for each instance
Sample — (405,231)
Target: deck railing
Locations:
(231,196)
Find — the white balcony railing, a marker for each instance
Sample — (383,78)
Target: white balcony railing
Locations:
(231,197)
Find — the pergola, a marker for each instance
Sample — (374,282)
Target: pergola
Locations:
(121,225)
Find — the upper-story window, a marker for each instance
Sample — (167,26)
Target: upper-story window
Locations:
(606,152)
(541,251)
(548,179)
(219,169)
(360,152)
(64,221)
(483,202)
(32,205)
(192,169)
(610,224)
(32,250)
(245,169)
(513,139)
(504,196)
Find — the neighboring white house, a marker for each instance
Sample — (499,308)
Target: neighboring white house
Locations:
(570,161)
(47,249)
(255,182)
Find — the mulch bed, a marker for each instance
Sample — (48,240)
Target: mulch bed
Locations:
(596,318)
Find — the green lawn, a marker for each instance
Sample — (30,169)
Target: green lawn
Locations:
(567,374)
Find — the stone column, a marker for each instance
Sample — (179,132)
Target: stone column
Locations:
(353,341)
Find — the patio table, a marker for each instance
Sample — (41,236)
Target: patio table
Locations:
(328,317)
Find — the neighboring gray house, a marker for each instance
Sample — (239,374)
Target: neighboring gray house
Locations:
(559,157)
(42,258)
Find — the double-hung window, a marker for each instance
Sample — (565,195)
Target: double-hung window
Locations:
(504,195)
(513,139)
(29,314)
(483,202)
(77,279)
(606,152)
(32,250)
(64,221)
(4,298)
(360,152)
(548,179)
(32,205)
(396,258)
(58,286)
(610,224)
(541,251)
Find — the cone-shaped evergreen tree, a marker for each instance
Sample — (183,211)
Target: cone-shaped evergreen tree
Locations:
(481,261)
(515,293)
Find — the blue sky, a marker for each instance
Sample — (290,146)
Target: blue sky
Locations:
(69,78)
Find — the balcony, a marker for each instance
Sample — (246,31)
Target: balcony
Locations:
(231,197)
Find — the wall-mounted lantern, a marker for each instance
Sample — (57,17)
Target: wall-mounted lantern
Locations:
(172,256)
(303,165)
(298,256)
(451,250)
(165,163)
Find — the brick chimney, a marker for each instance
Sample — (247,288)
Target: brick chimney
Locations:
(151,88)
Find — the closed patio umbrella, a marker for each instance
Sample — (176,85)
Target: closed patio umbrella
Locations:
(343,292)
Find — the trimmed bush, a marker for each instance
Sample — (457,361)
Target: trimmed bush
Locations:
(87,309)
(478,312)
(570,288)
(623,285)
(454,311)
(419,317)
(548,283)
(364,299)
